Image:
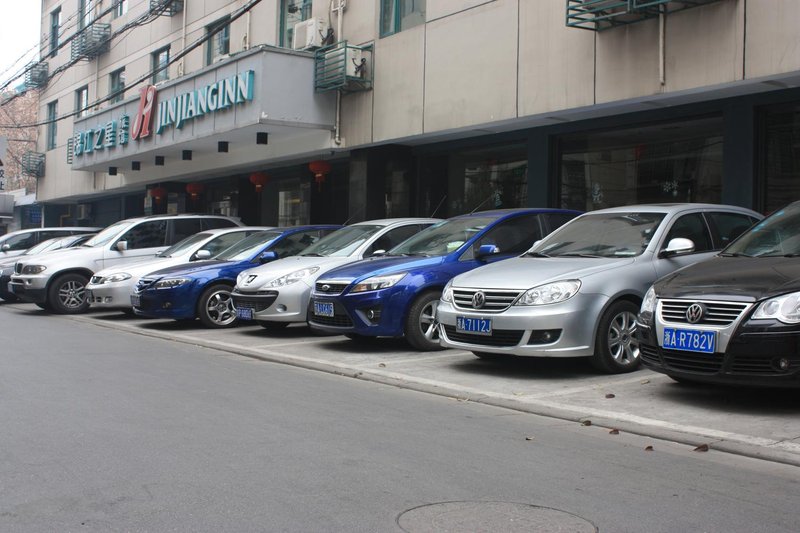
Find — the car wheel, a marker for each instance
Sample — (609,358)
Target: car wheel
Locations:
(67,294)
(422,328)
(215,307)
(270,325)
(616,350)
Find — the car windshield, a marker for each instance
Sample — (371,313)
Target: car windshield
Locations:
(50,244)
(245,248)
(776,236)
(442,238)
(601,235)
(109,233)
(187,244)
(343,242)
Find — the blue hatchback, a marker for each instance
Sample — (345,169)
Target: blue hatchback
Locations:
(203,289)
(396,294)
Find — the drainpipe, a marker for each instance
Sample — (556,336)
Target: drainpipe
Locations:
(246,38)
(662,23)
(182,64)
(337,138)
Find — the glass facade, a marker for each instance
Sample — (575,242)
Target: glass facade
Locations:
(667,162)
(219,40)
(52,125)
(399,15)
(82,101)
(779,156)
(116,85)
(293,203)
(160,62)
(55,29)
(292,12)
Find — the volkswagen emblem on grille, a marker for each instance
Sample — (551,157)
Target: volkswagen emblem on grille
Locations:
(478,299)
(325,288)
(695,313)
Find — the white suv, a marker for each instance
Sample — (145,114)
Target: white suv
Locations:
(57,280)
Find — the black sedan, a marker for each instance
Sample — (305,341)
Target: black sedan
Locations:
(734,319)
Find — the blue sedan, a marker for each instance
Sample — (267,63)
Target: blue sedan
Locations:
(203,289)
(396,295)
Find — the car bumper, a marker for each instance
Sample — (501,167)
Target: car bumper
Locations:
(4,289)
(374,314)
(109,295)
(178,303)
(29,288)
(759,356)
(289,304)
(557,330)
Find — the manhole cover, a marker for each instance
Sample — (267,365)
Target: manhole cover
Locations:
(490,517)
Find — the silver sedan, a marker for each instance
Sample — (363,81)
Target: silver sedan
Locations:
(576,293)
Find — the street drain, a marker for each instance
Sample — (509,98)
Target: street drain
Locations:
(490,517)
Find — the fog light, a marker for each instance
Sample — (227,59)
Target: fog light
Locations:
(281,308)
(371,314)
(167,305)
(783,363)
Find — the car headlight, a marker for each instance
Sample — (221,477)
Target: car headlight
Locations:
(170,283)
(297,275)
(447,293)
(378,282)
(784,308)
(114,278)
(33,269)
(649,302)
(550,293)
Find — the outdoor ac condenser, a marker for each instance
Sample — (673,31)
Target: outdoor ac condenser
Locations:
(308,34)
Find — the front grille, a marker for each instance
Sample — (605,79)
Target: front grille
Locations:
(256,303)
(706,363)
(145,283)
(496,300)
(759,364)
(17,268)
(499,337)
(330,288)
(717,313)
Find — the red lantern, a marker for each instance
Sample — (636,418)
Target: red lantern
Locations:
(259,179)
(195,189)
(158,193)
(320,169)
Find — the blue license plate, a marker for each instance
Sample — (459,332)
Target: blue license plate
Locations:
(136,300)
(690,340)
(478,326)
(323,309)
(244,313)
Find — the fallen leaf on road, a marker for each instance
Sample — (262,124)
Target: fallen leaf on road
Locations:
(382,365)
(611,395)
(645,381)
(702,448)
(586,423)
(614,432)
(648,449)
(528,438)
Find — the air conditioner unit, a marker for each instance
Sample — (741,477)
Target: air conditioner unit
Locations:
(308,34)
(353,58)
(83,212)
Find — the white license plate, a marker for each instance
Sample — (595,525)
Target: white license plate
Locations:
(323,309)
(136,300)
(689,340)
(478,326)
(244,313)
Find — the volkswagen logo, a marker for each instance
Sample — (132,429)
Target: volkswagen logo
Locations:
(325,288)
(478,299)
(695,313)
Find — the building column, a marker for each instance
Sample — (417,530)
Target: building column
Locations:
(738,155)
(542,171)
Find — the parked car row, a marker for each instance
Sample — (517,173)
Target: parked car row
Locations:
(620,286)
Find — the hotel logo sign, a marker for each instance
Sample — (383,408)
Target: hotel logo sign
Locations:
(174,112)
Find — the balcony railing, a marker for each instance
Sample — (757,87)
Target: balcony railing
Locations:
(91,42)
(343,66)
(36,74)
(33,164)
(169,8)
(601,15)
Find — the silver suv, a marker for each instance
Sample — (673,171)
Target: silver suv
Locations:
(56,281)
(14,243)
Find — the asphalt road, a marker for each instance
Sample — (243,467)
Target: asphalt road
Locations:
(104,430)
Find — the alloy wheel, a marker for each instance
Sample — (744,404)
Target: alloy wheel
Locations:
(622,343)
(220,308)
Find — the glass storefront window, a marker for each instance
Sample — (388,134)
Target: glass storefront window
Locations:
(668,162)
(780,156)
(293,203)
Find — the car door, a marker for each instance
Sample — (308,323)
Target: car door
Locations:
(690,226)
(143,240)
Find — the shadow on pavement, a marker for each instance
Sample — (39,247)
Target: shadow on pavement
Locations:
(369,345)
(740,399)
(528,367)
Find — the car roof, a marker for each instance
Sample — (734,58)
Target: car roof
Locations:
(86,229)
(181,215)
(220,231)
(675,208)
(499,213)
(398,220)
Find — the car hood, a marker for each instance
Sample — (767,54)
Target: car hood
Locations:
(733,278)
(188,269)
(270,271)
(54,257)
(140,268)
(526,272)
(380,266)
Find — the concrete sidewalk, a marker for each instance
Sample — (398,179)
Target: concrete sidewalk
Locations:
(762,424)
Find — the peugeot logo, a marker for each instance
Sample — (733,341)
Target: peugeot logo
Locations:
(695,313)
(251,278)
(478,299)
(325,288)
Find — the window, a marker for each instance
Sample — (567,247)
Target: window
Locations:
(292,12)
(22,241)
(160,60)
(85,13)
(295,243)
(52,125)
(55,28)
(215,223)
(218,40)
(513,236)
(392,238)
(399,15)
(120,8)
(116,85)
(146,235)
(184,227)
(82,101)
(779,155)
(728,226)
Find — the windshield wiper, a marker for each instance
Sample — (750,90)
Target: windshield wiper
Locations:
(312,255)
(734,254)
(578,254)
(534,254)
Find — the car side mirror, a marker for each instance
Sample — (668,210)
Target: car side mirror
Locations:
(487,249)
(266,257)
(677,246)
(121,246)
(199,255)
(378,252)
(5,247)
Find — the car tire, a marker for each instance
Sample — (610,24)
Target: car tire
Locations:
(271,325)
(422,328)
(67,294)
(616,349)
(215,307)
